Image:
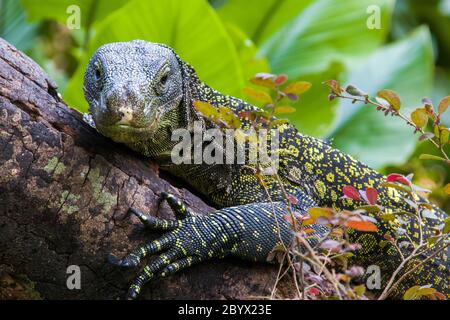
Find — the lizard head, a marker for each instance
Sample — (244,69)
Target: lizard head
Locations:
(134,90)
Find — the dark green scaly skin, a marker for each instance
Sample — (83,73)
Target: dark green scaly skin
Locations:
(139,92)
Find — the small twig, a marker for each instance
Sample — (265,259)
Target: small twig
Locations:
(272,294)
(397,113)
(390,287)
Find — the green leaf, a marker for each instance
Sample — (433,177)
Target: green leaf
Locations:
(425,291)
(263,82)
(92,10)
(419,117)
(425,156)
(200,39)
(387,216)
(370,208)
(362,131)
(324,32)
(391,97)
(360,290)
(355,91)
(443,138)
(320,212)
(229,117)
(259,19)
(206,109)
(432,240)
(260,96)
(284,109)
(446,226)
(417,292)
(13,25)
(411,293)
(297,87)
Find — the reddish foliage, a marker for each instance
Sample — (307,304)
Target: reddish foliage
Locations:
(396,177)
(351,192)
(372,195)
(362,226)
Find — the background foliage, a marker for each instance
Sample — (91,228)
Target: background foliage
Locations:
(228,41)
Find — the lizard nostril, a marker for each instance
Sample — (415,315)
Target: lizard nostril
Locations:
(125,115)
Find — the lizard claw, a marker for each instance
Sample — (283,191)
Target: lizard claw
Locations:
(112,259)
(128,261)
(132,294)
(164,195)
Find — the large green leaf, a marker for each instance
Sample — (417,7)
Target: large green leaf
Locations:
(325,31)
(13,25)
(192,28)
(406,67)
(90,10)
(259,19)
(247,53)
(315,114)
(442,89)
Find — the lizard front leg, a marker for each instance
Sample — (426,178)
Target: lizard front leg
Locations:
(249,232)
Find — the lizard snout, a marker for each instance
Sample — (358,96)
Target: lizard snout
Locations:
(123,105)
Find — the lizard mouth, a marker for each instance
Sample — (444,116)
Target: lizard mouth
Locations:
(127,127)
(124,132)
(148,120)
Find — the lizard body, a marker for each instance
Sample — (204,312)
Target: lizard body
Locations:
(140,92)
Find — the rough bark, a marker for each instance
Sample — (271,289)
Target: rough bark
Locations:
(64,194)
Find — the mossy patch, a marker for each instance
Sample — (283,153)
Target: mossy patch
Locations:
(67,200)
(55,166)
(103,197)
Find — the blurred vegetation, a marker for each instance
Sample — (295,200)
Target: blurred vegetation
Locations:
(228,41)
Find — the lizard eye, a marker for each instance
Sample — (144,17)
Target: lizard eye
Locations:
(97,72)
(164,79)
(163,82)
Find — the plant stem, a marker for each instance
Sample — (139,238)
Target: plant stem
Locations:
(400,115)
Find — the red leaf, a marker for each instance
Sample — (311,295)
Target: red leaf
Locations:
(362,226)
(395,177)
(292,199)
(372,195)
(351,192)
(314,291)
(438,295)
(392,177)
(247,114)
(281,79)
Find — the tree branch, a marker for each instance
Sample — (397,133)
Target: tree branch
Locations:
(64,194)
